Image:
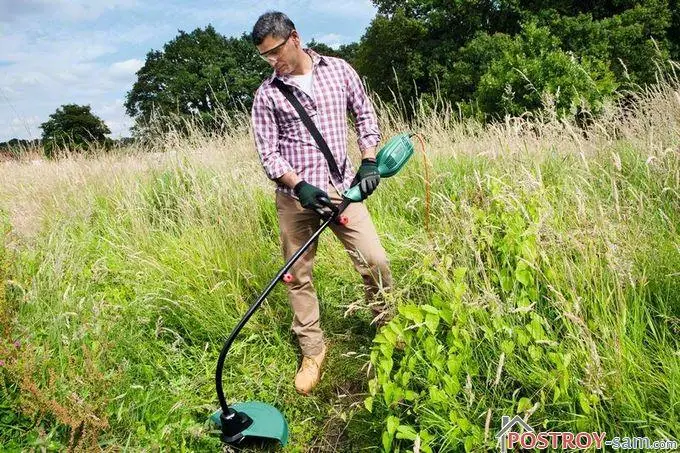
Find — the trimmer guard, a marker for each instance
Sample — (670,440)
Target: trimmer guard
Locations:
(268,422)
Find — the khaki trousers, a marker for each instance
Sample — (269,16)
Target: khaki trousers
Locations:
(296,225)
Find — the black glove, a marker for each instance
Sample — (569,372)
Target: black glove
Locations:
(309,196)
(369,176)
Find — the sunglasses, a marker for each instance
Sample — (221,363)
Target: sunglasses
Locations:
(273,54)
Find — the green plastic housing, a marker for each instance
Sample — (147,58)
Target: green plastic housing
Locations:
(390,159)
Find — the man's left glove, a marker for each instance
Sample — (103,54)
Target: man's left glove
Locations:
(369,177)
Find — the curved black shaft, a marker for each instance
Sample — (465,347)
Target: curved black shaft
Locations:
(227,344)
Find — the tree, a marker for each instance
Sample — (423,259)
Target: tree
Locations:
(412,44)
(73,127)
(417,47)
(346,51)
(674,30)
(197,73)
(534,69)
(391,58)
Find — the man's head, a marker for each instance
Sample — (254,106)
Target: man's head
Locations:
(278,42)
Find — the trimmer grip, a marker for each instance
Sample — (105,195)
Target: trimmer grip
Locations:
(343,220)
(287,278)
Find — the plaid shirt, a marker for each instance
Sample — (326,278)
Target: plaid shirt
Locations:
(283,142)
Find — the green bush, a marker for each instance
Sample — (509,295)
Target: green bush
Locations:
(533,73)
(547,330)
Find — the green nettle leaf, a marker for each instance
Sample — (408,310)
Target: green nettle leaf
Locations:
(390,336)
(523,274)
(506,280)
(522,338)
(432,322)
(556,394)
(464,424)
(386,350)
(412,312)
(523,405)
(368,403)
(431,348)
(437,395)
(432,375)
(437,301)
(387,442)
(389,392)
(453,364)
(451,385)
(412,362)
(535,352)
(410,395)
(507,346)
(429,309)
(536,329)
(392,424)
(469,443)
(447,315)
(406,432)
(396,327)
(386,364)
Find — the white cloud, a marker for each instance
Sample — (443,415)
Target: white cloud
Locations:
(126,69)
(26,126)
(72,10)
(113,114)
(346,9)
(333,40)
(55,52)
(69,66)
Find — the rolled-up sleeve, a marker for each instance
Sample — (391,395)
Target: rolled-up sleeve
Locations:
(359,103)
(266,135)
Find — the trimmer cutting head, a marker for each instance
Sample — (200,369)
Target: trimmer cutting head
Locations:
(263,421)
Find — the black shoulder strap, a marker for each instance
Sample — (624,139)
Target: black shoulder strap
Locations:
(288,93)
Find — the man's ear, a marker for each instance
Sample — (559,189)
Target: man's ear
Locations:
(296,38)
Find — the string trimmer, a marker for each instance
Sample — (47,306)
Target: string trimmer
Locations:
(254,419)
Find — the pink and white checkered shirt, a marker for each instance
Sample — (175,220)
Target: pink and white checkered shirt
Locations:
(284,143)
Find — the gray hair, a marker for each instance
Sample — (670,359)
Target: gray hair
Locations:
(273,23)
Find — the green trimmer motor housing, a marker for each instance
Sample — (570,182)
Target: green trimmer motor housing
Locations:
(255,419)
(390,159)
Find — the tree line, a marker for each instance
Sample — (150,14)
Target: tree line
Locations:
(491,58)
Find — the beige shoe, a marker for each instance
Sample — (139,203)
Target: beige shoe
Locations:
(310,372)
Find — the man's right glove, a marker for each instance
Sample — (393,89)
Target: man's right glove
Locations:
(369,177)
(309,196)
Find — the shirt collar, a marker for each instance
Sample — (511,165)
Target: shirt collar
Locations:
(316,61)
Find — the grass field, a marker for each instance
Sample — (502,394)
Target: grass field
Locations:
(547,284)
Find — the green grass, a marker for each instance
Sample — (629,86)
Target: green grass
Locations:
(570,273)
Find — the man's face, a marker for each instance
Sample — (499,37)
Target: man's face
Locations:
(280,53)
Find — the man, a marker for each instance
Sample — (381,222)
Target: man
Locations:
(327,88)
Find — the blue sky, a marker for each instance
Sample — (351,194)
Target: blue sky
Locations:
(55,52)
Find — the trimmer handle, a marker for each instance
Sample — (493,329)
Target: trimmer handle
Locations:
(335,210)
